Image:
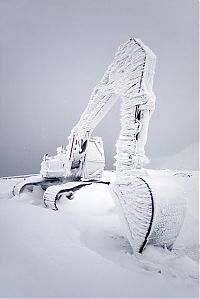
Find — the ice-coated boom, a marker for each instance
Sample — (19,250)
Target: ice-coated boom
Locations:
(129,77)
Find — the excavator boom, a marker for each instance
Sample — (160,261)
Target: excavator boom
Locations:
(130,78)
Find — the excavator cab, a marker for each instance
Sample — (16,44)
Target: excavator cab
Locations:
(90,164)
(94,161)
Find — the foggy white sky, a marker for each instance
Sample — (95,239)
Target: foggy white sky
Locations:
(52,54)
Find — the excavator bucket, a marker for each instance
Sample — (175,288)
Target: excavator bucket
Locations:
(152,209)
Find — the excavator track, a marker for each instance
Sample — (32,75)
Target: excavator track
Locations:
(53,193)
(53,187)
(35,180)
(28,181)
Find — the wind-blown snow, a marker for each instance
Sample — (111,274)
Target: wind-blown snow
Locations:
(81,250)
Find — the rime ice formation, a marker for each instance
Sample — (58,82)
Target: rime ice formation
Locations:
(152,209)
(150,214)
(130,77)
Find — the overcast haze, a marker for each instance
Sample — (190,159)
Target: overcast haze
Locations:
(52,54)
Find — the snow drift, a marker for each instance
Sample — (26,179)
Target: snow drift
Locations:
(82,250)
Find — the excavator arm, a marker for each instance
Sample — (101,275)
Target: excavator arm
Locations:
(130,78)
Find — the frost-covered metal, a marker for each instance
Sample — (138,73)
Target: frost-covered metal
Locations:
(130,78)
(151,208)
(151,215)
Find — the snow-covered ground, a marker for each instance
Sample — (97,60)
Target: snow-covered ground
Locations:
(81,250)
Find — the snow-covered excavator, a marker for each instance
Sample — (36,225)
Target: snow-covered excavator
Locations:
(149,215)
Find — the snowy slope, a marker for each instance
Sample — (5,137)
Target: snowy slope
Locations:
(81,251)
(186,159)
